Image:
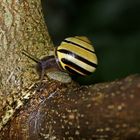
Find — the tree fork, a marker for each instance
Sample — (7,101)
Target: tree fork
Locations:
(58,111)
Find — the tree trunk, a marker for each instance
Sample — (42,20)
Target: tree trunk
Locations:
(58,111)
(21,27)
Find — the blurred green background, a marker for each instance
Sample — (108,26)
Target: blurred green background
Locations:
(112,25)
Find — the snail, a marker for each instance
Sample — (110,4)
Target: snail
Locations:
(75,56)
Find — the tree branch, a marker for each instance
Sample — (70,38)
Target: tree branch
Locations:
(69,111)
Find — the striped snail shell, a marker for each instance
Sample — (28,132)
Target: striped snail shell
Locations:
(76,55)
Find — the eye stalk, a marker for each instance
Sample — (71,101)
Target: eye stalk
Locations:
(31,56)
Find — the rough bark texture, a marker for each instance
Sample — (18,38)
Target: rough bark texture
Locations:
(69,111)
(21,27)
(58,111)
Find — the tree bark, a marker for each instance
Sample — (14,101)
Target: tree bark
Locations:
(21,27)
(69,111)
(58,111)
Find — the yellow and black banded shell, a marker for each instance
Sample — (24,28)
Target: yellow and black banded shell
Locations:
(76,55)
